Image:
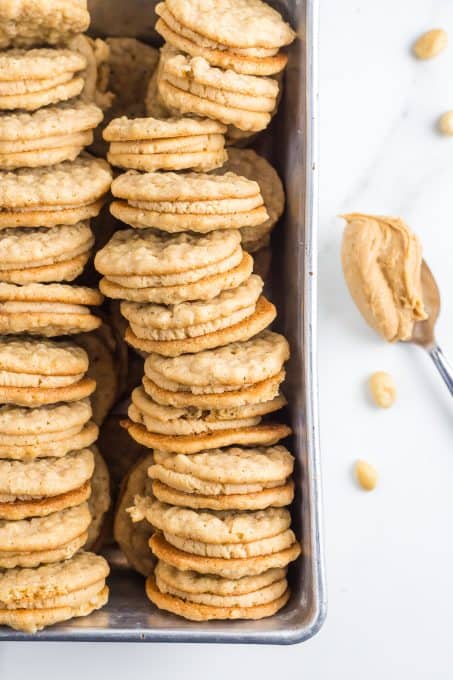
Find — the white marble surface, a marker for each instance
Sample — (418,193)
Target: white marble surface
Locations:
(390,553)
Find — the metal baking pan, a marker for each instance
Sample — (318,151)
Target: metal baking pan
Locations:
(291,146)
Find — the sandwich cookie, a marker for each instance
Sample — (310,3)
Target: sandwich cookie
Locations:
(187,202)
(149,144)
(192,85)
(244,36)
(224,479)
(98,503)
(96,73)
(39,488)
(35,372)
(201,598)
(25,23)
(214,529)
(103,370)
(133,537)
(66,193)
(144,266)
(186,431)
(226,567)
(23,430)
(234,315)
(49,310)
(247,163)
(40,255)
(41,540)
(71,440)
(47,136)
(31,599)
(226,377)
(31,79)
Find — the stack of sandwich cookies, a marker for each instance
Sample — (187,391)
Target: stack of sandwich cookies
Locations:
(231,544)
(149,144)
(224,479)
(31,79)
(25,23)
(187,202)
(49,479)
(243,35)
(235,315)
(31,599)
(54,488)
(144,266)
(47,136)
(66,193)
(192,85)
(213,371)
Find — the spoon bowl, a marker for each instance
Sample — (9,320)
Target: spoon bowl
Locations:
(423,333)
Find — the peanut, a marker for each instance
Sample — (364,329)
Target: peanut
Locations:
(366,474)
(446,123)
(431,44)
(382,388)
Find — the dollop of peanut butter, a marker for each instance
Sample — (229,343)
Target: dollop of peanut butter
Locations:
(382,260)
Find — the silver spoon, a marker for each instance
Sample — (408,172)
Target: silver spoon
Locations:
(423,334)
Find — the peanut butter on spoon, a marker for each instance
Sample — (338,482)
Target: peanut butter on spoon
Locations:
(382,262)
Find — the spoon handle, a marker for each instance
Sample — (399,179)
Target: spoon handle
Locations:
(443,366)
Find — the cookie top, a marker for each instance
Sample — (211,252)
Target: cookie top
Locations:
(70,183)
(190,186)
(40,63)
(227,526)
(200,71)
(53,418)
(42,357)
(64,119)
(21,248)
(127,129)
(44,533)
(20,587)
(46,476)
(248,163)
(147,253)
(50,292)
(30,22)
(235,23)
(240,363)
(197,312)
(233,465)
